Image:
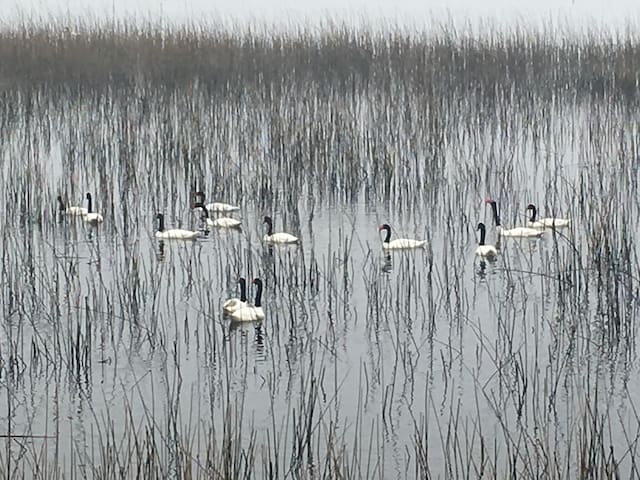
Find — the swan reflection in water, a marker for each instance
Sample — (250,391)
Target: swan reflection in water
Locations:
(482,270)
(387,264)
(244,329)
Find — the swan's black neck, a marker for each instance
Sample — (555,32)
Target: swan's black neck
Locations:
(258,284)
(88,203)
(269,223)
(496,217)
(243,289)
(61,206)
(160,218)
(387,229)
(534,212)
(205,213)
(483,232)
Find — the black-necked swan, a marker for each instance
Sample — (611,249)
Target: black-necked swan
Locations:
(487,251)
(175,233)
(233,304)
(91,217)
(251,313)
(398,243)
(522,232)
(215,206)
(545,222)
(73,210)
(222,222)
(280,237)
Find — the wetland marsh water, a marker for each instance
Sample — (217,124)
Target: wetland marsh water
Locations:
(367,366)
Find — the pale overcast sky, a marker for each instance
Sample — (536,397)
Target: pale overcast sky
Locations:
(612,12)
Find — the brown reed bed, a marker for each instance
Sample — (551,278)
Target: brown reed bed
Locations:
(72,53)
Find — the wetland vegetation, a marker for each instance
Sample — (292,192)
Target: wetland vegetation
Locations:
(115,357)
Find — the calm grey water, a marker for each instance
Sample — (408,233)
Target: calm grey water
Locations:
(399,345)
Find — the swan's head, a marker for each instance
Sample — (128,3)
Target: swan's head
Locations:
(387,237)
(257,282)
(88,196)
(160,219)
(481,226)
(267,220)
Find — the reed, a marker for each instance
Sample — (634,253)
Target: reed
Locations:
(115,358)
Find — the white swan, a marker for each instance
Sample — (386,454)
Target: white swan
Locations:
(521,232)
(399,243)
(251,313)
(222,222)
(486,251)
(221,207)
(233,304)
(280,237)
(176,233)
(91,217)
(226,222)
(545,222)
(72,211)
(215,206)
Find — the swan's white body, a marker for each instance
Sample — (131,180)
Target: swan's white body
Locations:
(550,223)
(233,304)
(520,232)
(75,211)
(487,251)
(93,218)
(403,243)
(281,237)
(221,207)
(248,313)
(178,234)
(224,222)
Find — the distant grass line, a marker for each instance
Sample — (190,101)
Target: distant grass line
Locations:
(218,58)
